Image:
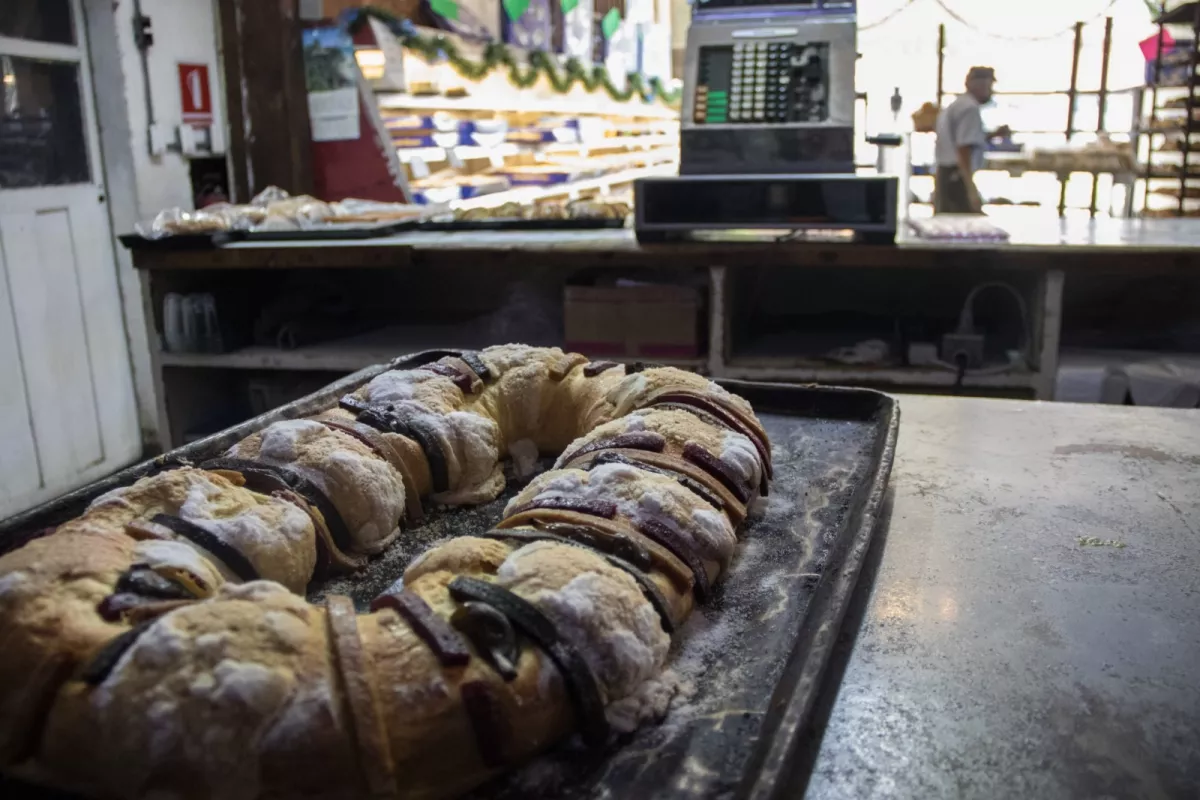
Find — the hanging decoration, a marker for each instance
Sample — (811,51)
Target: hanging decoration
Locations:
(523,75)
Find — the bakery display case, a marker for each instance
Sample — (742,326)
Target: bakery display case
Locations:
(478,124)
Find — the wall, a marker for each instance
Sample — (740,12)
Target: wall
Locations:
(185,31)
(140,185)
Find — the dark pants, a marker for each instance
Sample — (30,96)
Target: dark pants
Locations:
(950,193)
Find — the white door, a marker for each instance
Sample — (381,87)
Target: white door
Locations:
(67,407)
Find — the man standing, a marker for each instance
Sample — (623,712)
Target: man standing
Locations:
(961,142)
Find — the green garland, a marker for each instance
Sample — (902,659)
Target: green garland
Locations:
(497,56)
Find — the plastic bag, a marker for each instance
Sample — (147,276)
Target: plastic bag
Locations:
(217,218)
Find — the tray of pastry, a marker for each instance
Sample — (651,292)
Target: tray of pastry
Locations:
(580,214)
(726,718)
(180,241)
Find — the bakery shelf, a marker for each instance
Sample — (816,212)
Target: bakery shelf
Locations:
(1182,14)
(532,194)
(396,101)
(433,155)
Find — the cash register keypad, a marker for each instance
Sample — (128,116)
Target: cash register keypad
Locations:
(762,83)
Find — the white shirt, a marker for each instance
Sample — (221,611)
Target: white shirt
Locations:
(961,125)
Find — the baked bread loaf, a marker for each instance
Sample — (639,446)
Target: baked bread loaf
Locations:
(158,645)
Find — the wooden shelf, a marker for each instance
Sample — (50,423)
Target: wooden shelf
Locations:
(1180,15)
(355,352)
(508,149)
(532,194)
(782,369)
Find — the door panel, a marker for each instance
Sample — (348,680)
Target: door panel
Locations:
(20,470)
(67,407)
(44,275)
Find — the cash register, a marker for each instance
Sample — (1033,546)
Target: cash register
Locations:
(767,130)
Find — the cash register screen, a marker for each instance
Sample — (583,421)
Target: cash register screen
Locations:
(764,202)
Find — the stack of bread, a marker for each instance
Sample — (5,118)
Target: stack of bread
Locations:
(160,645)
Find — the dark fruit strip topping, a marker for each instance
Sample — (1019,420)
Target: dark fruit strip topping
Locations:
(439,471)
(471,359)
(142,580)
(386,419)
(374,755)
(649,588)
(353,404)
(666,562)
(731,420)
(134,608)
(581,683)
(718,469)
(596,367)
(681,549)
(461,380)
(102,664)
(230,556)
(445,642)
(263,478)
(693,486)
(619,545)
(116,606)
(487,720)
(490,632)
(594,508)
(597,545)
(269,478)
(637,440)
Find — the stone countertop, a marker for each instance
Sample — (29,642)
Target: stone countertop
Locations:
(1029,624)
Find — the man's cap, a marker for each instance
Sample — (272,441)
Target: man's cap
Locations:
(981,73)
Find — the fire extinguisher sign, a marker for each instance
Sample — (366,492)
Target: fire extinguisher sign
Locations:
(195,95)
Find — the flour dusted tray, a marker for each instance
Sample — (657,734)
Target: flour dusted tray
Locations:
(749,662)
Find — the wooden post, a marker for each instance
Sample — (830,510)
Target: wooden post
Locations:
(1102,102)
(1072,99)
(1158,59)
(269,137)
(1189,124)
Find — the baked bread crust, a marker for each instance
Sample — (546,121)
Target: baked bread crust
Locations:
(157,644)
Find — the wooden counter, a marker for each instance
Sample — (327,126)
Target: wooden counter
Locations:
(450,277)
(1036,243)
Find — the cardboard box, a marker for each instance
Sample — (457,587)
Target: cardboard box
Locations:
(633,321)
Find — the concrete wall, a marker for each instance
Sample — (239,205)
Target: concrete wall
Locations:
(185,31)
(140,184)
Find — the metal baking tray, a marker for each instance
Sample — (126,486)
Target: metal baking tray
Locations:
(180,241)
(749,663)
(334,231)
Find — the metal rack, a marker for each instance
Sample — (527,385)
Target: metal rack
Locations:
(1182,15)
